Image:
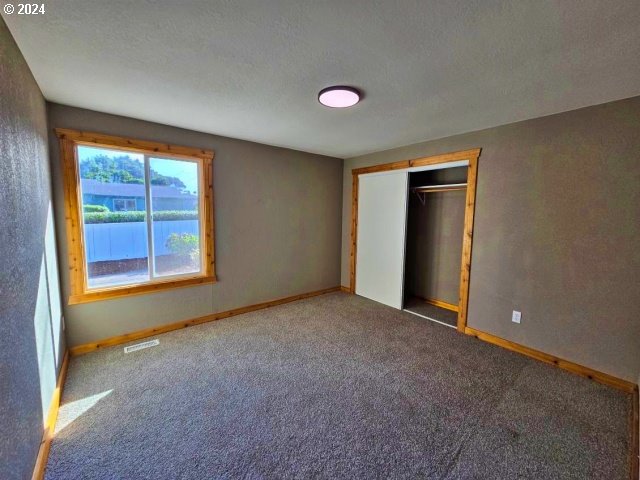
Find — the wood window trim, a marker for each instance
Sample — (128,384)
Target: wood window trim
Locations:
(79,293)
(472,157)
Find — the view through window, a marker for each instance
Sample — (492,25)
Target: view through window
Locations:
(141,216)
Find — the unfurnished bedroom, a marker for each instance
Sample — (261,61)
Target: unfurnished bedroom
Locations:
(319,239)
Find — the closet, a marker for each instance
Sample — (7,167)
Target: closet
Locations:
(435,229)
(411,234)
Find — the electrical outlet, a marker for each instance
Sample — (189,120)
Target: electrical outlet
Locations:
(515,316)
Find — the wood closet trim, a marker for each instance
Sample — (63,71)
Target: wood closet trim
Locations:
(421,162)
(467,241)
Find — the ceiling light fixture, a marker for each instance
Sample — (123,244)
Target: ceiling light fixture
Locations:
(339,96)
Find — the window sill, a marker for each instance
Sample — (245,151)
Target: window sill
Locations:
(140,289)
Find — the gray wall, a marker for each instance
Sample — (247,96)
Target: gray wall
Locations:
(31,342)
(556,232)
(277,228)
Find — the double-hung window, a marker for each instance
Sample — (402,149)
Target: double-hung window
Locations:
(139,215)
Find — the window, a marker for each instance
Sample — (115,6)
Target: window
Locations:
(139,215)
(124,204)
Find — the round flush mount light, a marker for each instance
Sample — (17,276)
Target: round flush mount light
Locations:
(339,97)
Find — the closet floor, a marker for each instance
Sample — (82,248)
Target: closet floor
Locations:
(424,309)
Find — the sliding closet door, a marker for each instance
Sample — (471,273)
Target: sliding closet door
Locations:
(382,218)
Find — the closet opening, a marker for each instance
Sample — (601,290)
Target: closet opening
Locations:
(434,242)
(412,234)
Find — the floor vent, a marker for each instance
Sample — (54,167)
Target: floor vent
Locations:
(140,346)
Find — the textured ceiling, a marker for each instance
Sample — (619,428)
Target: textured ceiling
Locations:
(251,69)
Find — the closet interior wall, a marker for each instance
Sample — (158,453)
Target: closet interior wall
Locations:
(434,236)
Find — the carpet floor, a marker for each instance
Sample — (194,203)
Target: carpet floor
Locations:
(419,306)
(334,386)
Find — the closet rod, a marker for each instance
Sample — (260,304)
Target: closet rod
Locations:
(433,190)
(449,187)
(444,185)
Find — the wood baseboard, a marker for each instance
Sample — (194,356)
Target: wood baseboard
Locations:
(128,337)
(50,425)
(587,372)
(441,304)
(635,433)
(345,289)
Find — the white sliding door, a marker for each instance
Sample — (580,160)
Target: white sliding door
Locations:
(382,218)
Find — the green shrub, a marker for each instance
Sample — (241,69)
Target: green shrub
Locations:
(168,215)
(139,216)
(114,217)
(95,208)
(184,245)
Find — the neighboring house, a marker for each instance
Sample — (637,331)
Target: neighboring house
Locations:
(120,197)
